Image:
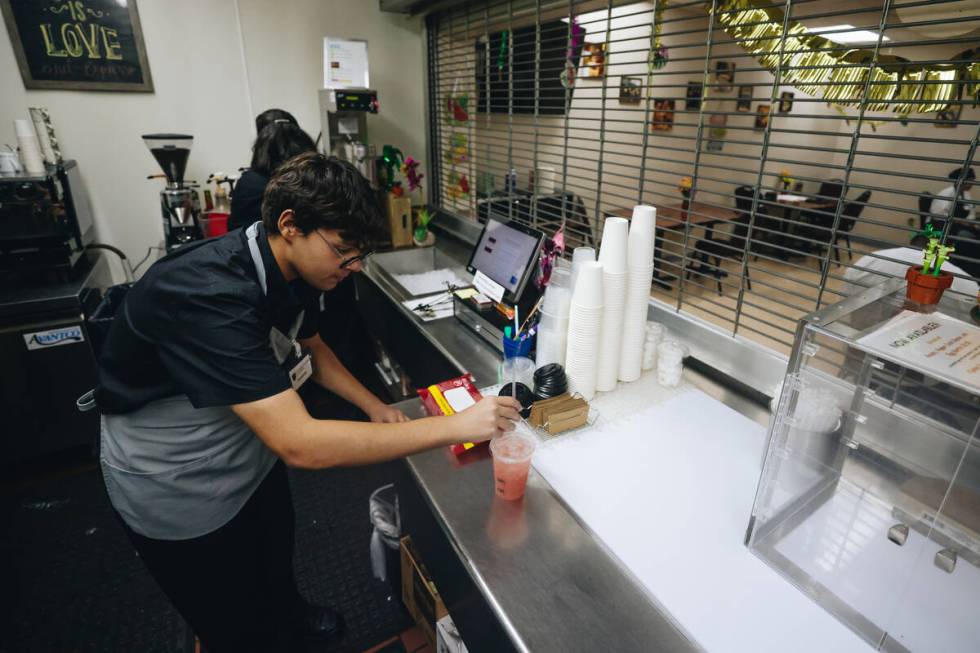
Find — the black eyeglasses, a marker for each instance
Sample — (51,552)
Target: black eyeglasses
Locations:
(344,262)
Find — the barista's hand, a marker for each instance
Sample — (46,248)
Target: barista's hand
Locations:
(490,417)
(384,414)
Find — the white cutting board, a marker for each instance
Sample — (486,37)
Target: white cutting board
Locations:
(668,489)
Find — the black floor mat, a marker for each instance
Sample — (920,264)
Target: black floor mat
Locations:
(71,582)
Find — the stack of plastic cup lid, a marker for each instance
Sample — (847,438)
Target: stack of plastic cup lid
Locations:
(639,261)
(670,363)
(656,332)
(584,325)
(612,256)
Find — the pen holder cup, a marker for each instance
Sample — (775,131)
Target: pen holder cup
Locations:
(514,348)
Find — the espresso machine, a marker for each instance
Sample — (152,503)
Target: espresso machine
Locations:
(46,221)
(343,125)
(178,203)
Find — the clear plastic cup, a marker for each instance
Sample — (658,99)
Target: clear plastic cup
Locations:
(580,256)
(511,463)
(519,369)
(553,321)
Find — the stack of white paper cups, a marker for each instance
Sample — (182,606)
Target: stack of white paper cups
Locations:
(612,256)
(639,261)
(30,149)
(584,324)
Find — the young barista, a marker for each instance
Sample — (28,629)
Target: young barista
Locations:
(198,386)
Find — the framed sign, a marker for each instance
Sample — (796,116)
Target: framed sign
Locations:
(345,63)
(81,45)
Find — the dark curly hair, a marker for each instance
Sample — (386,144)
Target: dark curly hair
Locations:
(325,193)
(278,142)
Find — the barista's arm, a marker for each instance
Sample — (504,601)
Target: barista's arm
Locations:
(330,373)
(284,425)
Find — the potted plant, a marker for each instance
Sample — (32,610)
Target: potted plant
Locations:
(422,237)
(926,286)
(785,179)
(684,186)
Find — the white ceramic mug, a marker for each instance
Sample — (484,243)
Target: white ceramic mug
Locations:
(9,163)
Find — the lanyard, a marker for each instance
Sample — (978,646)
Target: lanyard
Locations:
(253,247)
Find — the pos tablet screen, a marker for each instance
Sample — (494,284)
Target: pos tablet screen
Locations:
(507,252)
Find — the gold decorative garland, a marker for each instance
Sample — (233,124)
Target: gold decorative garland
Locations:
(821,68)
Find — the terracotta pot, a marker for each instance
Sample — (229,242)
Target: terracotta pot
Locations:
(925,288)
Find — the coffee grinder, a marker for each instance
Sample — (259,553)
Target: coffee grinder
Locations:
(178,203)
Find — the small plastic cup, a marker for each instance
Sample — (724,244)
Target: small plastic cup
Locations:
(511,463)
(518,368)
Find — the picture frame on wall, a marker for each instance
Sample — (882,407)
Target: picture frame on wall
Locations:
(762,116)
(786,102)
(663,115)
(89,45)
(725,75)
(630,90)
(695,90)
(744,101)
(949,118)
(593,61)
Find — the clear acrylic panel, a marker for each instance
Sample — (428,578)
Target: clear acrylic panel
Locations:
(870,490)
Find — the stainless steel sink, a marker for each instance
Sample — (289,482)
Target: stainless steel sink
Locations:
(413,261)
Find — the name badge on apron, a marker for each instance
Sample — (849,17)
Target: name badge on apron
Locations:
(302,371)
(297,363)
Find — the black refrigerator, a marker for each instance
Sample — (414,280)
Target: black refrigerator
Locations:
(47,360)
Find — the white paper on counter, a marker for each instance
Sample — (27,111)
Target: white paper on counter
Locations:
(669,490)
(933,342)
(425,283)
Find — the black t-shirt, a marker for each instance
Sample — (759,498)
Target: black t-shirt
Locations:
(246,200)
(198,324)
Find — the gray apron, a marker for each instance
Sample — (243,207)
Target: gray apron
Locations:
(175,472)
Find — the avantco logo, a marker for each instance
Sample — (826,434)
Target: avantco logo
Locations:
(54,337)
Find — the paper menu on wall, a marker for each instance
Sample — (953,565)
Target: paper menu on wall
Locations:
(933,342)
(345,63)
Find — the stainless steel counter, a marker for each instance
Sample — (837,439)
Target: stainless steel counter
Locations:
(545,577)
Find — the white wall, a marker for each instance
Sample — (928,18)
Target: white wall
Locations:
(194,50)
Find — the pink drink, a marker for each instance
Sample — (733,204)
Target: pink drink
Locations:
(511,463)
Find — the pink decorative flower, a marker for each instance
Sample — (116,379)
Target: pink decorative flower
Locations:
(412,174)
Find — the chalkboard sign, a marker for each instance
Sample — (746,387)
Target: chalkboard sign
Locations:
(92,45)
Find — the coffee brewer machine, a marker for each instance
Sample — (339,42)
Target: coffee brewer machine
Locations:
(343,124)
(178,203)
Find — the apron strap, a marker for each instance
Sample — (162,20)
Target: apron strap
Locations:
(253,247)
(252,232)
